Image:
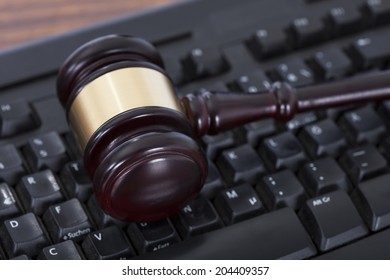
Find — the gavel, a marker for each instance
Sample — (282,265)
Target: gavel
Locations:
(141,144)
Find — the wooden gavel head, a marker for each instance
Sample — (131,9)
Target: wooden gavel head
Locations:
(139,149)
(140,143)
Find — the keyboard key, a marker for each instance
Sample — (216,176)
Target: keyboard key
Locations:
(372,199)
(100,218)
(213,182)
(218,86)
(152,236)
(336,112)
(107,244)
(240,165)
(377,11)
(38,191)
(72,146)
(66,250)
(267,42)
(344,20)
(332,220)
(252,83)
(274,235)
(363,163)
(214,144)
(238,203)
(295,72)
(363,126)
(15,118)
(281,189)
(254,132)
(307,30)
(299,120)
(9,206)
(331,63)
(174,69)
(373,247)
(11,164)
(23,235)
(21,257)
(324,175)
(204,63)
(76,180)
(282,151)
(384,112)
(323,138)
(46,151)
(197,217)
(372,50)
(384,147)
(67,221)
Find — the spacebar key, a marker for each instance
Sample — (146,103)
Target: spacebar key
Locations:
(275,235)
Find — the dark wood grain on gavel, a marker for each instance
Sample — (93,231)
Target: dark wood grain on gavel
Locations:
(213,113)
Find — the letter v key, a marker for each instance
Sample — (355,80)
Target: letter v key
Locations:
(98,236)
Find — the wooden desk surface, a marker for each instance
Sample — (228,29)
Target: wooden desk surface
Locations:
(25,20)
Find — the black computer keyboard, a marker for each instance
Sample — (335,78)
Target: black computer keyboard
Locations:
(314,187)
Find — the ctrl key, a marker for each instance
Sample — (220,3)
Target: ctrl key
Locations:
(23,235)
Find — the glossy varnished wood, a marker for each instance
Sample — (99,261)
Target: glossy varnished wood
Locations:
(22,21)
(211,113)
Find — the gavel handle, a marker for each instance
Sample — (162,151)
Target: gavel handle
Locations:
(212,113)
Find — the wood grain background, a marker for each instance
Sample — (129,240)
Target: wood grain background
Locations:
(25,20)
